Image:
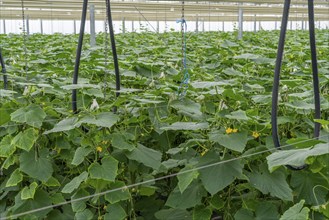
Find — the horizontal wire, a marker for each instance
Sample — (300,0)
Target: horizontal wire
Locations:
(151,181)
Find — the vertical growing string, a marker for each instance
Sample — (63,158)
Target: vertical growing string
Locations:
(186,77)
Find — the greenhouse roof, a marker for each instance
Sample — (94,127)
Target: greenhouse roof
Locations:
(224,10)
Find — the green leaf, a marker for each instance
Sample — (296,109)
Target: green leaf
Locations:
(41,200)
(15,178)
(244,214)
(173,214)
(32,115)
(6,149)
(304,142)
(64,125)
(115,212)
(217,177)
(147,156)
(75,183)
(147,190)
(26,139)
(119,141)
(238,115)
(201,212)
(203,85)
(106,171)
(84,215)
(29,191)
(187,107)
(103,119)
(36,167)
(186,178)
(296,212)
(191,197)
(52,182)
(266,210)
(274,183)
(234,141)
(189,126)
(79,204)
(80,155)
(119,195)
(295,157)
(310,187)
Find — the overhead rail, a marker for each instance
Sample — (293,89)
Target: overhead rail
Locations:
(216,11)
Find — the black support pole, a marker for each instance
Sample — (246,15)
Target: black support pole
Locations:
(316,89)
(114,50)
(276,83)
(3,70)
(78,56)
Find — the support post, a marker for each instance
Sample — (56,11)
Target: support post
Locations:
(158,26)
(92,25)
(4,26)
(240,35)
(223,26)
(132,26)
(290,25)
(41,26)
(255,24)
(28,25)
(123,25)
(276,25)
(202,25)
(197,24)
(74,27)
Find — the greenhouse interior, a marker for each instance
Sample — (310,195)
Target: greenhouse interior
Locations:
(164,110)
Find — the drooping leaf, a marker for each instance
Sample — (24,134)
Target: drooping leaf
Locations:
(187,107)
(107,171)
(84,215)
(173,214)
(296,212)
(201,212)
(64,125)
(189,126)
(235,141)
(103,119)
(217,177)
(186,178)
(29,191)
(119,195)
(295,157)
(191,197)
(274,183)
(6,148)
(119,141)
(310,187)
(15,178)
(147,156)
(238,115)
(115,212)
(80,155)
(41,200)
(78,201)
(36,167)
(32,115)
(75,183)
(26,139)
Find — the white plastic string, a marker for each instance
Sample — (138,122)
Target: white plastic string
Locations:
(148,181)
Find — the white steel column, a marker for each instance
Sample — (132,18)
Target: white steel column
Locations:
(41,26)
(240,35)
(92,26)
